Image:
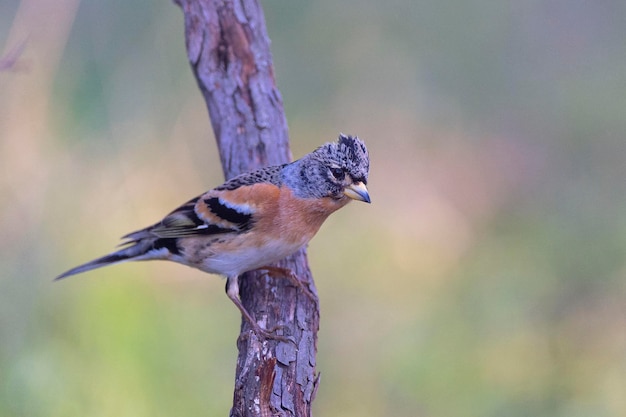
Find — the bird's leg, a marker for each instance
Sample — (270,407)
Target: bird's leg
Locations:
(277,271)
(232,291)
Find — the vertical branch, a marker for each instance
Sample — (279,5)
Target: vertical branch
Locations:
(228,49)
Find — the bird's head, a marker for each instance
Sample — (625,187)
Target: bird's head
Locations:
(336,170)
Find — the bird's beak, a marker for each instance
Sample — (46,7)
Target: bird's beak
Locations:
(357,191)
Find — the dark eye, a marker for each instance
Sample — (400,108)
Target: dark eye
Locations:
(338,173)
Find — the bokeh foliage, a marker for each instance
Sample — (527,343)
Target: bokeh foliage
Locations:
(486,279)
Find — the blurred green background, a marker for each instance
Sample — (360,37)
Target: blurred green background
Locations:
(488,277)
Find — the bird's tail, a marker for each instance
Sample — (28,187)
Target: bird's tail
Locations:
(140,250)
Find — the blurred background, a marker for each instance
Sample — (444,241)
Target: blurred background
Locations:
(488,277)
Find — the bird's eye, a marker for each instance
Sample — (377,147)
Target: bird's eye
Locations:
(338,173)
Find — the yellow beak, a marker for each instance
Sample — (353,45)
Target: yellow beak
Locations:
(357,191)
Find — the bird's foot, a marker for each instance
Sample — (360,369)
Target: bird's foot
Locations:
(277,271)
(266,334)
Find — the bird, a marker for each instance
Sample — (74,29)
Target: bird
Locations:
(252,220)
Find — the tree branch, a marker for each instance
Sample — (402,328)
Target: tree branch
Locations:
(228,49)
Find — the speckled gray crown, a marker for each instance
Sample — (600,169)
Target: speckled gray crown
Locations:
(311,176)
(349,152)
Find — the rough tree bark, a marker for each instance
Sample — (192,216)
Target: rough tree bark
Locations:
(228,49)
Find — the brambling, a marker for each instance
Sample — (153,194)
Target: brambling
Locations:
(254,219)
